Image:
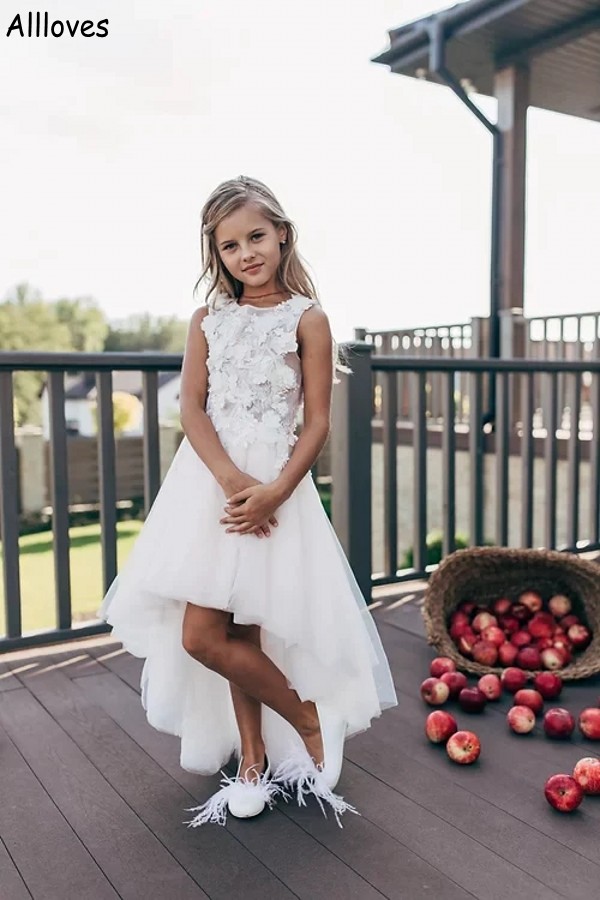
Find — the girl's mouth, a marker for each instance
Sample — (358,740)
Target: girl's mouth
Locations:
(253,268)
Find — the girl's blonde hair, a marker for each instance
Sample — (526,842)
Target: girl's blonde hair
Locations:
(291,273)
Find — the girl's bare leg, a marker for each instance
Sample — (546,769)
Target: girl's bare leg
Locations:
(248,711)
(205,636)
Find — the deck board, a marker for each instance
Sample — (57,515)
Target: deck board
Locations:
(93,799)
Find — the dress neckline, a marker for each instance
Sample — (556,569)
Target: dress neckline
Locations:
(266,308)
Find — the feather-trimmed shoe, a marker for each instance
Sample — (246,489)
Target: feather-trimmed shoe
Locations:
(243,798)
(333,733)
(299,772)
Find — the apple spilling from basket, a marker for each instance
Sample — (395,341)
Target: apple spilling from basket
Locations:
(526,632)
(563,792)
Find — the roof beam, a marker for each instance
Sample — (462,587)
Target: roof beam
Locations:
(549,40)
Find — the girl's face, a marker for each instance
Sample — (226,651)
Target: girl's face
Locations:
(248,244)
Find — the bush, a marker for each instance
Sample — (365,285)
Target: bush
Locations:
(434,549)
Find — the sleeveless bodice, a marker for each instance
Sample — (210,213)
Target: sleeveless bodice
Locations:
(254,373)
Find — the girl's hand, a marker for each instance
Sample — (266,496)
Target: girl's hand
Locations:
(235,485)
(252,507)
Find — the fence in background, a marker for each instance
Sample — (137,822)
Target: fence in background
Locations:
(529,483)
(570,337)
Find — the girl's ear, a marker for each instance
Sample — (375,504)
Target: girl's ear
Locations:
(282,233)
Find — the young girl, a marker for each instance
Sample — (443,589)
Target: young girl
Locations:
(256,638)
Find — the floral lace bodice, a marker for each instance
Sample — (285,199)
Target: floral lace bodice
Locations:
(254,373)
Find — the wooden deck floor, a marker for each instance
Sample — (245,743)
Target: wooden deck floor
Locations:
(92,799)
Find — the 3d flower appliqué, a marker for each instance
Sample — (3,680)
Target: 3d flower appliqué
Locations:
(254,390)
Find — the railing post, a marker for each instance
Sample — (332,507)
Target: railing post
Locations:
(351,442)
(513,343)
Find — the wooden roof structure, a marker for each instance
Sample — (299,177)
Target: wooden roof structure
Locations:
(559,41)
(543,53)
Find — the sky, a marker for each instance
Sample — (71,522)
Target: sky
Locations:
(109,147)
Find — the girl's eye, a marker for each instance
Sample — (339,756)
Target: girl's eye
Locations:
(229,246)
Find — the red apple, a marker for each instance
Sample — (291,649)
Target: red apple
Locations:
(502,606)
(434,691)
(458,616)
(494,635)
(587,774)
(467,606)
(456,681)
(520,638)
(541,625)
(507,654)
(531,698)
(441,664)
(513,679)
(552,658)
(510,624)
(521,719)
(485,653)
(532,600)
(491,686)
(579,635)
(483,620)
(543,643)
(529,658)
(559,723)
(559,605)
(520,612)
(458,629)
(439,726)
(567,621)
(563,792)
(548,684)
(589,723)
(472,699)
(466,642)
(463,747)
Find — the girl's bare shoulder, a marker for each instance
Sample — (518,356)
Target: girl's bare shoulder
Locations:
(199,315)
(314,318)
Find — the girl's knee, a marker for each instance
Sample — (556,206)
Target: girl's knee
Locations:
(204,635)
(205,648)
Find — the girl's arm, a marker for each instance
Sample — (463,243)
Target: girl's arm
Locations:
(315,343)
(195,422)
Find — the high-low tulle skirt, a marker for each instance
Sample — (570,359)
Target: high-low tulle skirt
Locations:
(296,584)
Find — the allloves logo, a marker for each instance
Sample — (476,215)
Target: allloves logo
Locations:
(37,24)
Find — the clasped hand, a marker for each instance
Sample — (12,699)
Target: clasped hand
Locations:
(251,508)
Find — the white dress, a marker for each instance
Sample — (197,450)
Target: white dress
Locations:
(296,584)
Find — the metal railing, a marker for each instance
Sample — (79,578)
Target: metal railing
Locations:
(379,465)
(567,337)
(555,449)
(56,365)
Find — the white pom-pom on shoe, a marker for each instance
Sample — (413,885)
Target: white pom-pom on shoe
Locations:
(243,798)
(299,772)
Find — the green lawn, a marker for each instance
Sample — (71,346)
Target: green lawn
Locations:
(37,574)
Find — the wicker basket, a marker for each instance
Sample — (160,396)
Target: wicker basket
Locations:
(483,574)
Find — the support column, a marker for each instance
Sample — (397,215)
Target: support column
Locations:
(512,94)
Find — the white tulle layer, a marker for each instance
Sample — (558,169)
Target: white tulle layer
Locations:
(296,584)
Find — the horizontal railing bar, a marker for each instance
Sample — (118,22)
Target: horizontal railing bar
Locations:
(454,364)
(26,360)
(98,362)
(54,636)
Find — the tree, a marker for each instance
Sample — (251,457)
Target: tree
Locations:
(165,334)
(127,411)
(28,322)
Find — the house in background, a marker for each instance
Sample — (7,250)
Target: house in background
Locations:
(80,400)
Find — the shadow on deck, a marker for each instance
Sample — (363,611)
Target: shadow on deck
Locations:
(93,798)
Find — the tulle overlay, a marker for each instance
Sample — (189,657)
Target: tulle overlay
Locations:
(296,584)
